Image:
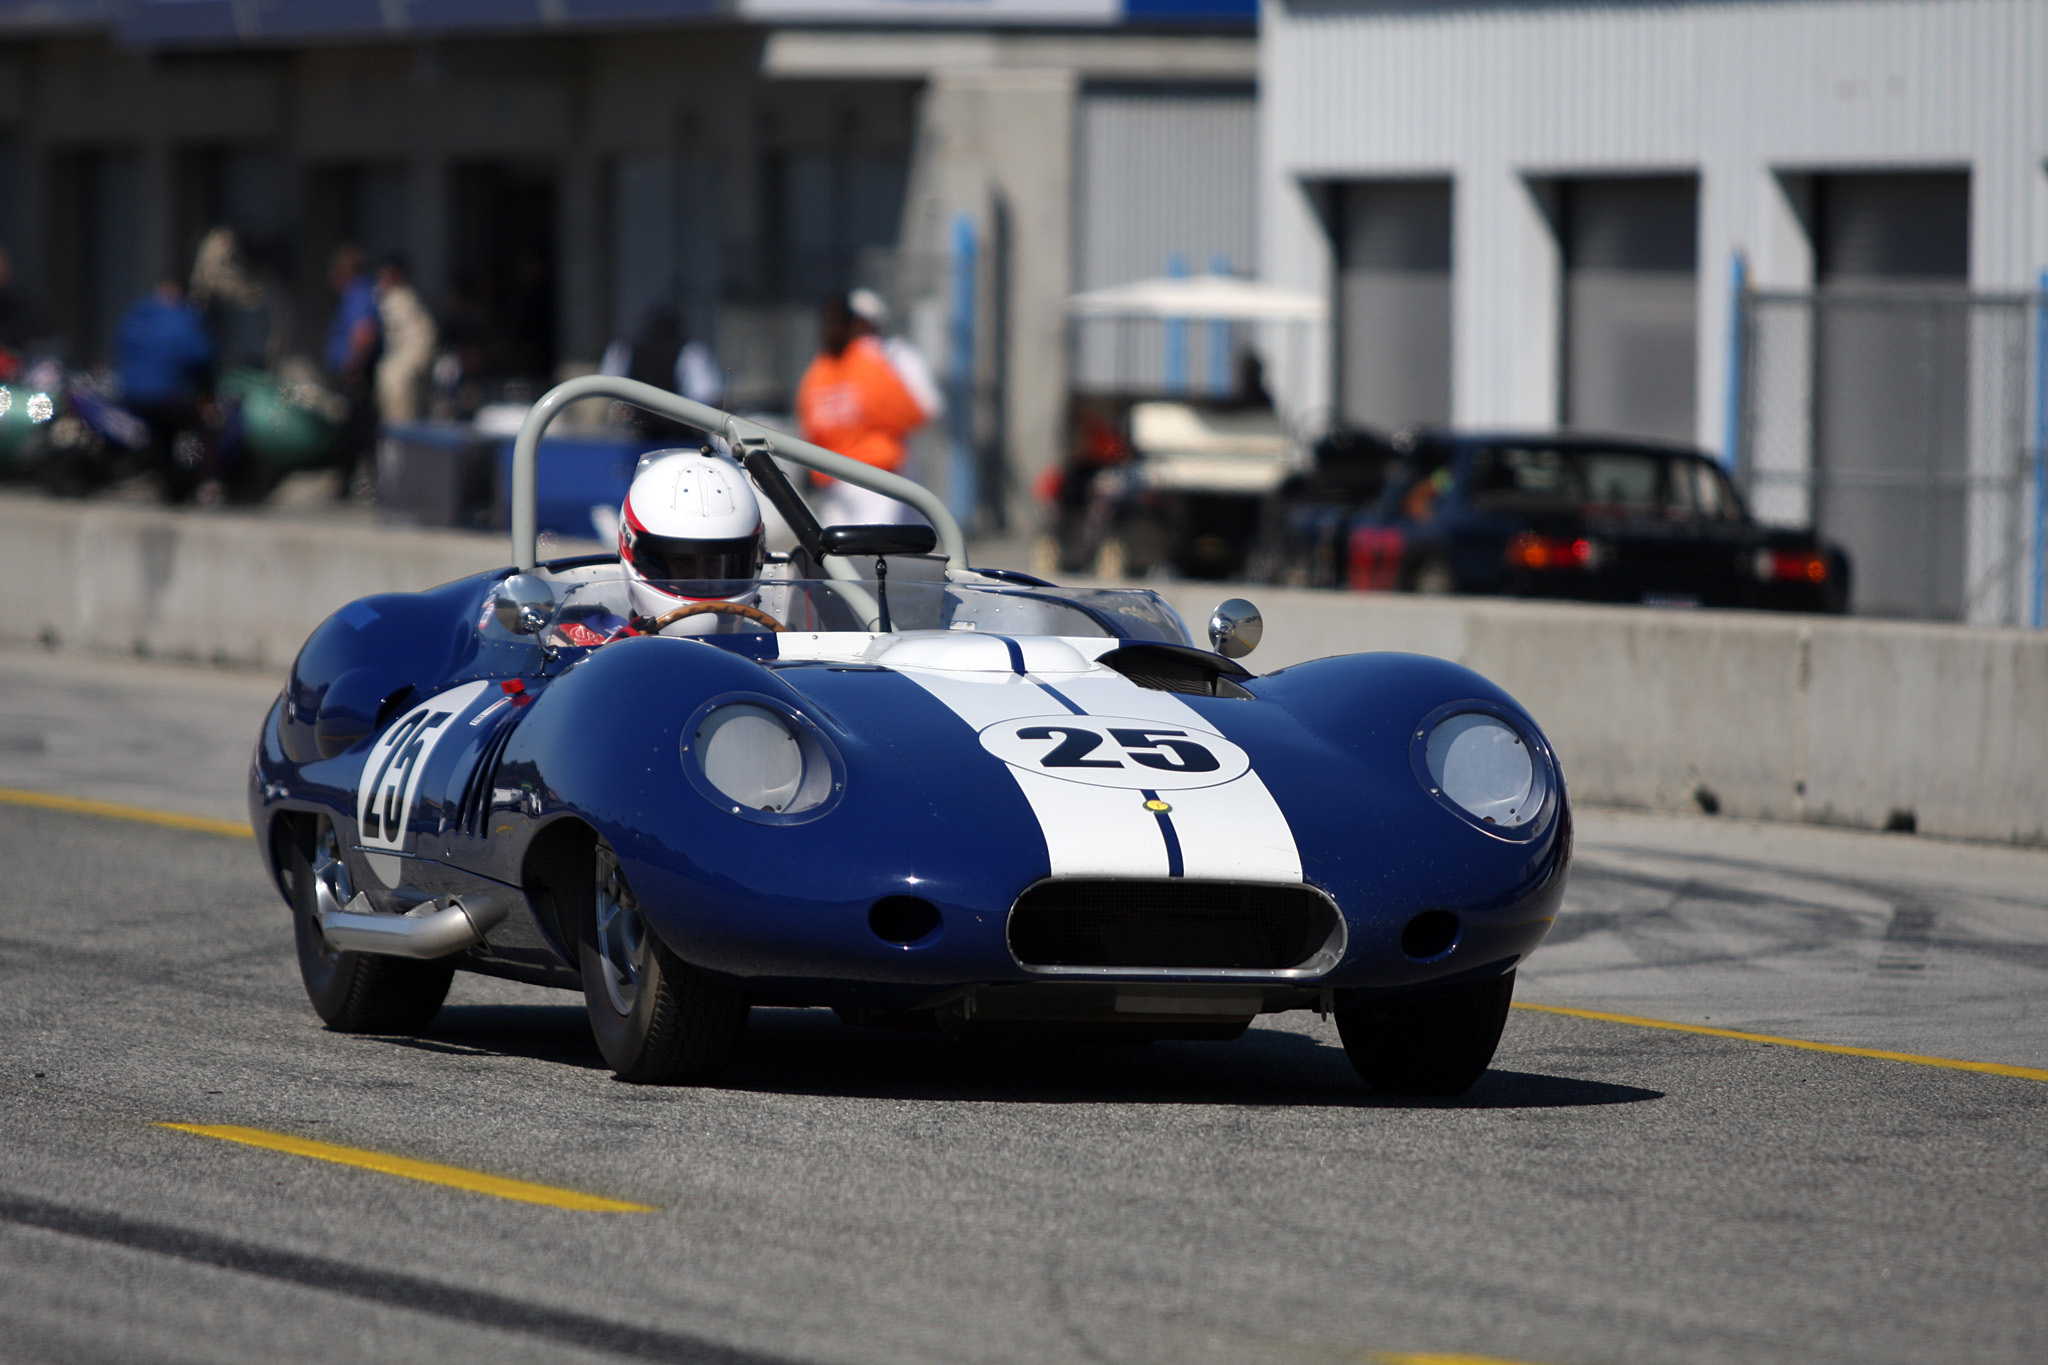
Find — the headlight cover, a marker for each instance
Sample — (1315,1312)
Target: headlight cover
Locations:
(1486,765)
(757,759)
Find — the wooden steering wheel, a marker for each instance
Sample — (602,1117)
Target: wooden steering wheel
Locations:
(740,609)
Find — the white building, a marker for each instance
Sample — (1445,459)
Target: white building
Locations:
(1528,213)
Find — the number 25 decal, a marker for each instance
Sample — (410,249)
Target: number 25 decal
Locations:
(1116,751)
(387,808)
(389,792)
(1167,750)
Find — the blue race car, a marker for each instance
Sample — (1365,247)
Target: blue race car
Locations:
(916,793)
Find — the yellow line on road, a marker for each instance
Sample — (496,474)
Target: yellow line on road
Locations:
(114,810)
(1435,1358)
(431,1172)
(2025,1073)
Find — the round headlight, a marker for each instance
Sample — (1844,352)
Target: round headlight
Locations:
(1486,768)
(760,760)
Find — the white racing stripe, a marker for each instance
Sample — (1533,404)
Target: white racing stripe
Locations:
(1231,831)
(1089,831)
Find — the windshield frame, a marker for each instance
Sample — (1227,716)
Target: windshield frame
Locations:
(599,594)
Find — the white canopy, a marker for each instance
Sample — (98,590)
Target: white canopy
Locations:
(1223,298)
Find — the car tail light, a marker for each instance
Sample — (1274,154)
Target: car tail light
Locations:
(1791,566)
(1531,551)
(1376,553)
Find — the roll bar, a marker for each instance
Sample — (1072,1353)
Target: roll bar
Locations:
(743,436)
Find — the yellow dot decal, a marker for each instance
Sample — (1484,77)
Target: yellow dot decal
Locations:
(1157,807)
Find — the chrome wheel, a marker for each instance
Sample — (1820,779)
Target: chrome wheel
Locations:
(352,992)
(332,887)
(654,1016)
(622,939)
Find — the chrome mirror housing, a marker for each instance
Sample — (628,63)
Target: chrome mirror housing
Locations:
(1235,628)
(524,603)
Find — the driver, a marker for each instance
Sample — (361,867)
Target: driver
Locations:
(690,531)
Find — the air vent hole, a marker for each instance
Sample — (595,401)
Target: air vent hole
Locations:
(1430,934)
(904,919)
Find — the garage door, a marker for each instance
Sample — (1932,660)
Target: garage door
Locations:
(1631,286)
(1891,384)
(1394,303)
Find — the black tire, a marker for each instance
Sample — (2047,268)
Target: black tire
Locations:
(657,1019)
(355,992)
(1438,1045)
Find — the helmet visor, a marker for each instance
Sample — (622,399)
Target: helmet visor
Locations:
(696,568)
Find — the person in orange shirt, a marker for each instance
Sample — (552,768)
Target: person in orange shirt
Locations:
(860,397)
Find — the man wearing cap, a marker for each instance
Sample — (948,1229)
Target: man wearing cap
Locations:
(861,397)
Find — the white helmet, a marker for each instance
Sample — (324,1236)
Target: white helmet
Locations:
(690,530)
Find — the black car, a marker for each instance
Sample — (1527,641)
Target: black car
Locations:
(1589,518)
(1304,524)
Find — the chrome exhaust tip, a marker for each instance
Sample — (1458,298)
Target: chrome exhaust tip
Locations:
(435,929)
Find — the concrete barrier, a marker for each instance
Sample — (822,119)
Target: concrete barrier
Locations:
(1860,723)
(1871,724)
(230,588)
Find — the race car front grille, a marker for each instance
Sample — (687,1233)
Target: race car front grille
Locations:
(1171,925)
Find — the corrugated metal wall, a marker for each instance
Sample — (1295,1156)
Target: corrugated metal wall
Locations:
(1507,98)
(1162,174)
(1497,94)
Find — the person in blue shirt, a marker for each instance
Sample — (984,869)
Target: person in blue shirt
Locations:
(354,341)
(166,364)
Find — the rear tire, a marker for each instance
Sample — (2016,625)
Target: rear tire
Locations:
(355,992)
(657,1019)
(1438,1045)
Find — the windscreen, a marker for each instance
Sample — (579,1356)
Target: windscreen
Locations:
(601,607)
(1642,483)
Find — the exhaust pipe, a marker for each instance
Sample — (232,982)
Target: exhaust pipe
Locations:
(435,929)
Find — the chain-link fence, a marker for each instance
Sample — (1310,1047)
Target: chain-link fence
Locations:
(1895,420)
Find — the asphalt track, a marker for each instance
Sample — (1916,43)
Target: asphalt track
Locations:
(1610,1192)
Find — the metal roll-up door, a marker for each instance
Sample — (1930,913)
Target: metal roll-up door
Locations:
(1892,346)
(1631,300)
(1394,303)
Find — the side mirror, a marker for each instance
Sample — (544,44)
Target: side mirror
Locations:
(524,603)
(1235,628)
(914,538)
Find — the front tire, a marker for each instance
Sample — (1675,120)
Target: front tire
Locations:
(657,1019)
(354,992)
(1438,1045)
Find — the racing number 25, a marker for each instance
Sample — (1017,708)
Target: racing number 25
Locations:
(1167,750)
(402,754)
